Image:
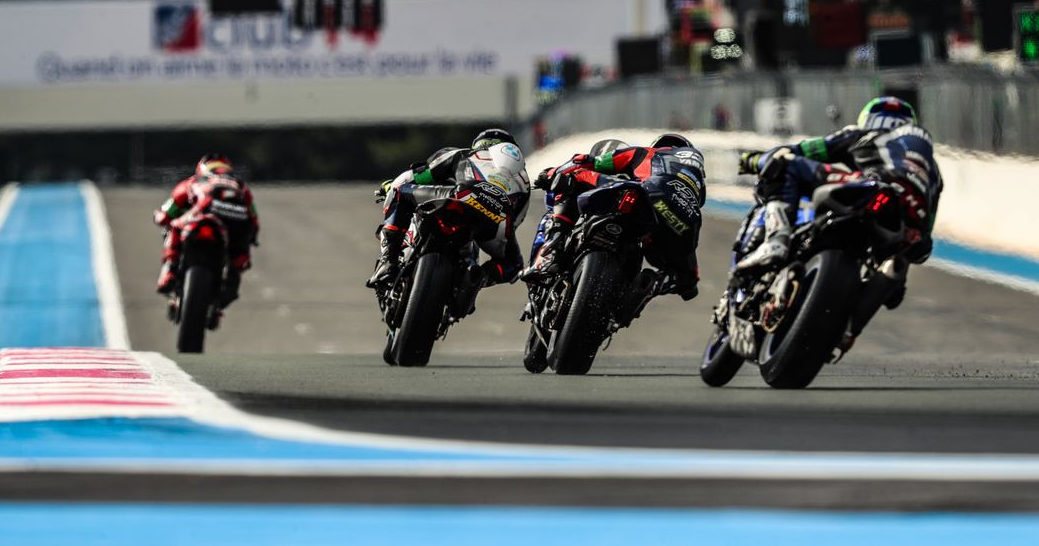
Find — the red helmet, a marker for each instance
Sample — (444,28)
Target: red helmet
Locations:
(211,164)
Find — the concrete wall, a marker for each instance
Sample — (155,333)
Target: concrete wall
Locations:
(265,102)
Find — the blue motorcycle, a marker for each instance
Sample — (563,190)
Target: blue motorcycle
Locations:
(844,262)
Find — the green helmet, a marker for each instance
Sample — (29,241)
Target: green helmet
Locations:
(886,113)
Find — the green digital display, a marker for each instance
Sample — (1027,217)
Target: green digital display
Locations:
(1028,35)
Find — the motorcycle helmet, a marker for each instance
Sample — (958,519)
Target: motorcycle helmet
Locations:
(671,140)
(606,146)
(886,113)
(441,152)
(490,137)
(211,164)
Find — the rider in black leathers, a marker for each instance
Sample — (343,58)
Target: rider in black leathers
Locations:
(670,159)
(886,145)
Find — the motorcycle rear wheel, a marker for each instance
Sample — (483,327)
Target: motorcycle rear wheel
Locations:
(791,357)
(430,289)
(597,283)
(198,288)
(720,364)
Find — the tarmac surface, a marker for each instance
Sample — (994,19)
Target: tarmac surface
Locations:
(954,370)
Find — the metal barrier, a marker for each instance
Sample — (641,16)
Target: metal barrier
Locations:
(967,107)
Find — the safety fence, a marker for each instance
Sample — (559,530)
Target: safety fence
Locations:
(967,107)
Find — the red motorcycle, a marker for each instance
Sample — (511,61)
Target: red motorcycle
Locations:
(219,220)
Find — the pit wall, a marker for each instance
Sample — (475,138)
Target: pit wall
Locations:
(988,201)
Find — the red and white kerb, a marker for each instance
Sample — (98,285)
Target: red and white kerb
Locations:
(79,383)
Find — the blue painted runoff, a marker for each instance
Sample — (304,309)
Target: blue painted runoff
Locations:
(45,524)
(180,439)
(47,291)
(1004,264)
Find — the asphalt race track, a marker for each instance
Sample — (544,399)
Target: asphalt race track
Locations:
(954,370)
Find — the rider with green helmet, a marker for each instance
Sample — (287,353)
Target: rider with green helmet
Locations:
(886,144)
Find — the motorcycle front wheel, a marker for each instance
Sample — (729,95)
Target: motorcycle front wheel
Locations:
(387,350)
(535,354)
(597,283)
(720,363)
(430,289)
(198,288)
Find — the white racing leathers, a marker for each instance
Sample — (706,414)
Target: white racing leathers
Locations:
(500,167)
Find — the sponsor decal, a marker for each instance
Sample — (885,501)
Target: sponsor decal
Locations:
(497,183)
(178,28)
(689,158)
(672,219)
(181,28)
(689,190)
(472,201)
(512,151)
(232,211)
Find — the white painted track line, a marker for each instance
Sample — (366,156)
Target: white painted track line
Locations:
(105,275)
(7,197)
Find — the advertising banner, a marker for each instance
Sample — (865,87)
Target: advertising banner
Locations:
(59,43)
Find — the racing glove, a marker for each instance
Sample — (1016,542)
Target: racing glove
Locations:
(160,218)
(749,162)
(384,188)
(544,179)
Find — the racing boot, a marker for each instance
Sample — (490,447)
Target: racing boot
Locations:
(388,266)
(773,250)
(167,277)
(229,292)
(546,264)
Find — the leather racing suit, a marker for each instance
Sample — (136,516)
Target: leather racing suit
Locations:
(683,165)
(449,172)
(195,194)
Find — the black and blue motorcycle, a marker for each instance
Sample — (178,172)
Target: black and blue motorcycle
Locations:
(602,286)
(844,263)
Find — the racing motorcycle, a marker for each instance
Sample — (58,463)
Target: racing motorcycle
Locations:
(440,276)
(198,299)
(844,263)
(602,286)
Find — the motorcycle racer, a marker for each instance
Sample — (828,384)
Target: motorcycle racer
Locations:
(887,145)
(213,173)
(669,159)
(494,157)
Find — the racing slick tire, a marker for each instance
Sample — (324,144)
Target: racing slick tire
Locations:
(198,288)
(430,289)
(720,363)
(597,281)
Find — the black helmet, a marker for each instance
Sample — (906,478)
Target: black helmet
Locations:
(606,146)
(490,137)
(445,150)
(671,140)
